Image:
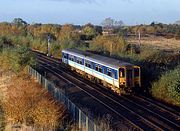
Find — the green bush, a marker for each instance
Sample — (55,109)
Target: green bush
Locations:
(16,59)
(55,49)
(168,87)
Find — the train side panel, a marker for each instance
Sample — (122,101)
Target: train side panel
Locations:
(90,71)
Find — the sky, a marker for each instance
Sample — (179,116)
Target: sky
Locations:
(131,12)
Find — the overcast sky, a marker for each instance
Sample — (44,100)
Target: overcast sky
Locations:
(94,11)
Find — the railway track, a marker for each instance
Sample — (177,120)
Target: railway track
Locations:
(150,114)
(139,122)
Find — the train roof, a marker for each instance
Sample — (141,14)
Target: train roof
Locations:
(98,58)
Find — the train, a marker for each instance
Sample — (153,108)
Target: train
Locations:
(117,75)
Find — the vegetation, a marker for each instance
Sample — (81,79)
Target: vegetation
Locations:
(153,62)
(168,87)
(1,118)
(16,59)
(112,45)
(25,101)
(158,29)
(28,103)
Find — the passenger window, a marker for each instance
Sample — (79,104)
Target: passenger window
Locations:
(96,68)
(122,72)
(100,69)
(78,61)
(109,72)
(69,57)
(89,65)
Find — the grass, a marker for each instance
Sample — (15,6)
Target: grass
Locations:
(158,42)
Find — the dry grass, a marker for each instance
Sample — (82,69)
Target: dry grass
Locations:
(4,83)
(159,42)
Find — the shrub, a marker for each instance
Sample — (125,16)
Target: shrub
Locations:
(16,59)
(112,44)
(168,87)
(28,103)
(56,49)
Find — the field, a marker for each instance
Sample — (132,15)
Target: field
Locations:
(158,42)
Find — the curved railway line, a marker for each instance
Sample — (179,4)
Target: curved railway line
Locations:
(142,113)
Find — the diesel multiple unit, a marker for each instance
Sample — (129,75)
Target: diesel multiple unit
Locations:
(110,72)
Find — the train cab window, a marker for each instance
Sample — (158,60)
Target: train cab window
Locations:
(136,72)
(121,72)
(109,73)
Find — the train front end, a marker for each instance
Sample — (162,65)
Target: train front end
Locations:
(129,77)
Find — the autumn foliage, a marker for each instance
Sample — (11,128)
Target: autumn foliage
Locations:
(28,103)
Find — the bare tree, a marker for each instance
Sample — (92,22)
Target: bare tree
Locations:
(112,23)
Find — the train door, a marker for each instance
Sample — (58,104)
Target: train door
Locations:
(122,80)
(129,78)
(137,76)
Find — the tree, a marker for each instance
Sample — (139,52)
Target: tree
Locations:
(98,29)
(111,45)
(177,22)
(68,37)
(118,23)
(90,32)
(19,22)
(111,23)
(67,33)
(108,22)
